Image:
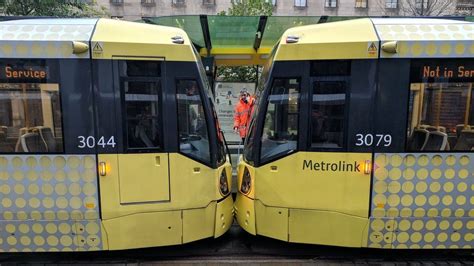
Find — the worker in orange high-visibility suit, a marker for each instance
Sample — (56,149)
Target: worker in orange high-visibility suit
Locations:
(242,113)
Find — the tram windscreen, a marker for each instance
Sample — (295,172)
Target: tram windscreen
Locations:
(441,112)
(280,132)
(193,136)
(30,118)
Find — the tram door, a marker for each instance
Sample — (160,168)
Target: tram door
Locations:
(143,168)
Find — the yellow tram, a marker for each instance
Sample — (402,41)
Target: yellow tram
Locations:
(108,138)
(363,137)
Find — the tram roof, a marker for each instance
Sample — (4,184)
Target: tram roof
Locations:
(236,40)
(379,37)
(244,40)
(110,39)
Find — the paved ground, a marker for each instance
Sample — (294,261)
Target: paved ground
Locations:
(238,247)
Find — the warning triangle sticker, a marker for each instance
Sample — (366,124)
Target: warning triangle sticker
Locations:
(372,48)
(98,48)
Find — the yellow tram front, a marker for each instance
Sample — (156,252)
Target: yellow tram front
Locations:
(108,138)
(363,137)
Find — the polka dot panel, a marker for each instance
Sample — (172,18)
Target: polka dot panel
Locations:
(423,233)
(454,32)
(423,185)
(44,39)
(39,49)
(454,40)
(50,236)
(42,32)
(48,187)
(432,49)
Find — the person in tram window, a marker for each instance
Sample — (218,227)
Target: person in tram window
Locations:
(242,113)
(319,124)
(187,110)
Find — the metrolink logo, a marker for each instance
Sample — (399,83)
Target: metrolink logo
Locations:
(340,166)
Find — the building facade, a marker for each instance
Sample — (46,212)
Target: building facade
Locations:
(135,9)
(465,7)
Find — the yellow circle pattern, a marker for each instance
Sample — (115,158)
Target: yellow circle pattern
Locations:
(40,195)
(426,203)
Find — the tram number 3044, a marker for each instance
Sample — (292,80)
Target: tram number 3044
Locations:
(91,142)
(373,140)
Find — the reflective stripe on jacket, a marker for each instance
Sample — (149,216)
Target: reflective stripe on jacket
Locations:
(242,116)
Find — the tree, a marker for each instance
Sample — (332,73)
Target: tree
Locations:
(244,8)
(249,8)
(419,8)
(61,8)
(427,7)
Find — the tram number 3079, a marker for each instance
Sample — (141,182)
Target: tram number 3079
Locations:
(371,140)
(91,142)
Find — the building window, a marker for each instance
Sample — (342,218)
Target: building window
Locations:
(116,2)
(391,3)
(419,4)
(330,3)
(179,2)
(273,2)
(361,3)
(208,2)
(301,3)
(148,2)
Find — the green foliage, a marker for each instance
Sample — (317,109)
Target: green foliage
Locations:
(250,8)
(243,8)
(56,8)
(237,73)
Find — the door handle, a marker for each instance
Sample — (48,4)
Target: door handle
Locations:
(158,161)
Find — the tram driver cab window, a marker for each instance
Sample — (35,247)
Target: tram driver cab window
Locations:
(280,132)
(192,127)
(142,87)
(327,114)
(331,82)
(441,111)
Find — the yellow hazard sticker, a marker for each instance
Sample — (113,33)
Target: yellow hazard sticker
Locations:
(372,49)
(98,49)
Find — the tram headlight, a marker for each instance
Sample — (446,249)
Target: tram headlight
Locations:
(246,182)
(223,184)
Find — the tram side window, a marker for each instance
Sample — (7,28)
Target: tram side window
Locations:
(327,114)
(280,132)
(143,114)
(441,112)
(192,126)
(30,118)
